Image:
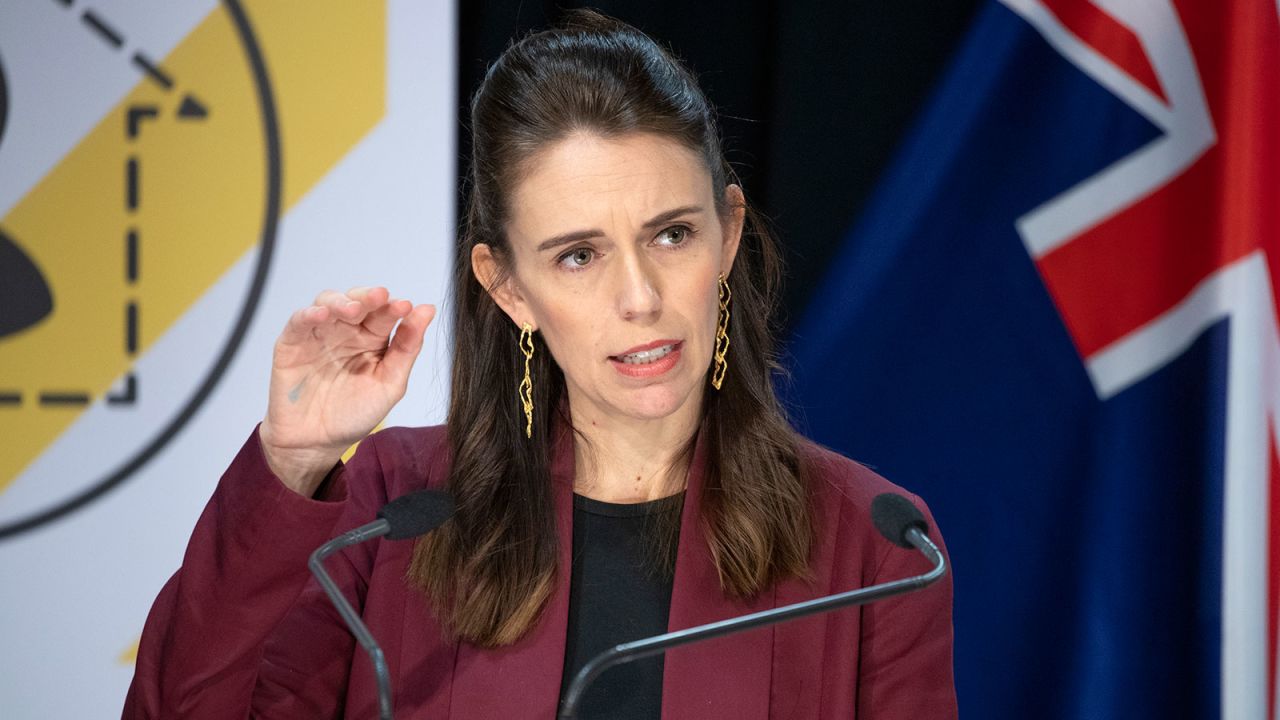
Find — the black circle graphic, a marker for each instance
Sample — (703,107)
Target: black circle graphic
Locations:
(4,100)
(270,221)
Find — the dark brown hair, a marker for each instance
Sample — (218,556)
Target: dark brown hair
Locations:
(491,568)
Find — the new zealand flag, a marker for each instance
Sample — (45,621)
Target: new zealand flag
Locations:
(1056,321)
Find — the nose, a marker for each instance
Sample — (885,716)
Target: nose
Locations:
(638,293)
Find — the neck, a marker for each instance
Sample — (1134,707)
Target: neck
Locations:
(626,460)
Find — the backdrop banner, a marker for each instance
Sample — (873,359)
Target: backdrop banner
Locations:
(1056,321)
(176,177)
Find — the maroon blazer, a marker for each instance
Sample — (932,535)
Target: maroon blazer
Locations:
(241,630)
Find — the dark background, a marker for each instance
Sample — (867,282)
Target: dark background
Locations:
(813,96)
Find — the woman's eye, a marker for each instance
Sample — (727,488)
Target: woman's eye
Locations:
(577,258)
(675,235)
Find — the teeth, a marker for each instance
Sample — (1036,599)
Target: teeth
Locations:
(646,356)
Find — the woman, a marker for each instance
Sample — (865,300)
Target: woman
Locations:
(619,462)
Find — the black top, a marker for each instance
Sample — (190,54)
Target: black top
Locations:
(614,597)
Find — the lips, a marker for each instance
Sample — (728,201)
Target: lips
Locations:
(656,344)
(648,360)
(647,356)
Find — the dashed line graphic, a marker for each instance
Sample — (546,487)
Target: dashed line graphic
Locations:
(131,328)
(131,256)
(131,184)
(138,113)
(189,109)
(64,398)
(130,394)
(152,71)
(134,117)
(104,31)
(108,34)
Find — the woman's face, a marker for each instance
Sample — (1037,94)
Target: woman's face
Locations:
(617,246)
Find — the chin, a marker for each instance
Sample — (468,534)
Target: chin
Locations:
(655,402)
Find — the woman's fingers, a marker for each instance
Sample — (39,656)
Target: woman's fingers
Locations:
(332,307)
(353,305)
(302,324)
(381,321)
(322,392)
(370,298)
(335,318)
(347,307)
(407,343)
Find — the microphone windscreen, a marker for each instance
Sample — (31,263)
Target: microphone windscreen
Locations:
(893,515)
(417,513)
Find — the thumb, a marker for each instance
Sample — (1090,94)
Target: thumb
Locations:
(407,342)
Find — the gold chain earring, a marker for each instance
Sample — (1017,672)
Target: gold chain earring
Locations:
(526,385)
(722,335)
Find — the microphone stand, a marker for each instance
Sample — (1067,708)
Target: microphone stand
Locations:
(408,516)
(626,652)
(377,528)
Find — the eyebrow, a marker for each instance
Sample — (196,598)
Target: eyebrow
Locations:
(579,235)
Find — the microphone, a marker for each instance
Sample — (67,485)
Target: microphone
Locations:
(405,517)
(894,516)
(901,523)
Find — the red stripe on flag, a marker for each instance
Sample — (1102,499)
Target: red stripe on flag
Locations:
(1106,35)
(1133,267)
(1122,274)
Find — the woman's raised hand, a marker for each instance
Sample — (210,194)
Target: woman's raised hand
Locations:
(335,374)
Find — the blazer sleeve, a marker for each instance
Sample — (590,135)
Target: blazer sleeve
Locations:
(905,669)
(245,566)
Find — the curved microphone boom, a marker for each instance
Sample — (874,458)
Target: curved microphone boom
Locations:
(894,516)
(405,517)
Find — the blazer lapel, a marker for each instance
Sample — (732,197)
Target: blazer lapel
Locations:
(523,680)
(729,677)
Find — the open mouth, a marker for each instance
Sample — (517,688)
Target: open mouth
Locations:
(644,357)
(649,362)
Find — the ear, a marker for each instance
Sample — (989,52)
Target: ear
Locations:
(732,226)
(505,293)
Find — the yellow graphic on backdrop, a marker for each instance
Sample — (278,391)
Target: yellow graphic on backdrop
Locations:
(164,195)
(130,654)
